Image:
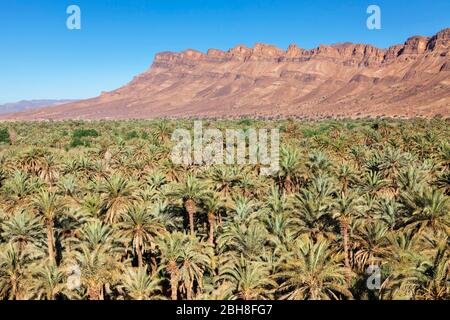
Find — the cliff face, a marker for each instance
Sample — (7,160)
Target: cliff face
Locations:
(345,79)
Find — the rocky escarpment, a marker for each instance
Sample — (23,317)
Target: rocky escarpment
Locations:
(345,79)
(346,53)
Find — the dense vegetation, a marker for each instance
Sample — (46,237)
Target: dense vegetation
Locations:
(105,197)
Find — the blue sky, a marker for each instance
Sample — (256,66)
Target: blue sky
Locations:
(40,58)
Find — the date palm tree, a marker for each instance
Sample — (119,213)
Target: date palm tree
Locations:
(191,192)
(185,259)
(431,277)
(212,205)
(428,208)
(98,268)
(346,176)
(22,229)
(17,190)
(14,272)
(118,194)
(373,183)
(196,261)
(96,233)
(223,179)
(289,166)
(48,206)
(140,227)
(313,272)
(372,244)
(346,207)
(137,284)
(240,239)
(172,246)
(48,282)
(318,163)
(251,279)
(314,208)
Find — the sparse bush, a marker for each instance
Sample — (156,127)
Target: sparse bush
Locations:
(80,133)
(4,136)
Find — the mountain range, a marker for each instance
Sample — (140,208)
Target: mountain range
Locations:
(340,80)
(24,105)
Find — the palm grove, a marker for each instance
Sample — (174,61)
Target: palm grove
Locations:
(106,198)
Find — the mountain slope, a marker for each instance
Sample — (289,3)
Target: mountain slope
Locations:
(345,79)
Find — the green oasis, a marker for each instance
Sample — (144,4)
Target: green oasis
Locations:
(105,199)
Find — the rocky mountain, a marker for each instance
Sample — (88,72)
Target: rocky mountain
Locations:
(345,79)
(24,105)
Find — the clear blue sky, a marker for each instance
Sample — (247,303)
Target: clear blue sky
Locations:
(41,58)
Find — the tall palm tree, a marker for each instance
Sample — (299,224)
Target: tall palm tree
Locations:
(137,284)
(22,229)
(196,261)
(240,239)
(431,277)
(95,234)
(389,211)
(140,227)
(391,163)
(373,182)
(172,246)
(346,207)
(191,192)
(212,204)
(184,258)
(162,131)
(49,206)
(428,208)
(346,176)
(313,272)
(14,273)
(372,244)
(98,268)
(289,165)
(251,279)
(118,194)
(314,208)
(318,163)
(18,188)
(223,180)
(48,282)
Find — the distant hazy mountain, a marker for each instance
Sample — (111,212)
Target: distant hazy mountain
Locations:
(30,104)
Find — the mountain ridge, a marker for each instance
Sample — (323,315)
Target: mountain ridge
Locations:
(341,80)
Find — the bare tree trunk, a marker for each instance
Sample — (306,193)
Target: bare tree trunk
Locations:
(50,242)
(219,219)
(211,220)
(191,222)
(14,290)
(189,291)
(172,269)
(139,254)
(153,265)
(174,285)
(190,208)
(344,234)
(94,292)
(288,184)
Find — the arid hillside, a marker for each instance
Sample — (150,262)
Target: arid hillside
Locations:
(351,80)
